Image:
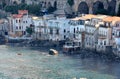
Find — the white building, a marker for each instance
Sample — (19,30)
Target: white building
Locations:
(77,29)
(39,27)
(4,27)
(116,35)
(19,22)
(90,30)
(98,33)
(58,28)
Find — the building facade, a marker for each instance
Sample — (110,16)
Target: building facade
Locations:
(19,22)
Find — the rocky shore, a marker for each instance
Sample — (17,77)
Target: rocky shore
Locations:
(36,43)
(46,45)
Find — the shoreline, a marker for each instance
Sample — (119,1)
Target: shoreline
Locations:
(82,53)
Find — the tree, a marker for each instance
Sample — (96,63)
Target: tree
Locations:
(3,4)
(118,13)
(11,8)
(29,30)
(102,11)
(70,2)
(50,9)
(55,5)
(34,9)
(22,6)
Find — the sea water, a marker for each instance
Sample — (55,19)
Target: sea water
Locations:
(27,63)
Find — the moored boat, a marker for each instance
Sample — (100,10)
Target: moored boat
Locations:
(53,52)
(72,46)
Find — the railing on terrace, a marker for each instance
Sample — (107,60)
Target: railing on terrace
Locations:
(101,35)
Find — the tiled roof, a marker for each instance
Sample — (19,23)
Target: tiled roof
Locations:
(110,19)
(17,16)
(101,16)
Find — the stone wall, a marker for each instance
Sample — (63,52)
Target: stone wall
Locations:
(95,4)
(86,6)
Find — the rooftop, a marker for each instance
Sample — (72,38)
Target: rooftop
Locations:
(111,19)
(17,15)
(89,16)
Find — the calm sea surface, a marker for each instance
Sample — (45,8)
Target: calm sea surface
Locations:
(38,64)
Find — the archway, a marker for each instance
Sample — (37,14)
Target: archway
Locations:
(97,6)
(83,8)
(111,7)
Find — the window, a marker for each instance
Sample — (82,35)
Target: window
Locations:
(20,27)
(119,33)
(26,21)
(64,30)
(104,42)
(57,31)
(16,21)
(51,31)
(19,21)
(16,27)
(64,37)
(74,30)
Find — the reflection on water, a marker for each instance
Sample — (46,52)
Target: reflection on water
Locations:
(37,64)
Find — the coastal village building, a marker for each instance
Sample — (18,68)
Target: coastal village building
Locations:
(89,31)
(77,28)
(42,27)
(95,32)
(116,35)
(58,28)
(38,27)
(19,22)
(4,27)
(52,28)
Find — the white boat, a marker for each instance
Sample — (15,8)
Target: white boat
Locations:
(53,52)
(72,46)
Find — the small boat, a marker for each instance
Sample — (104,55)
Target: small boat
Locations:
(19,54)
(53,52)
(72,46)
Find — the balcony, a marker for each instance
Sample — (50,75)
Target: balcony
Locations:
(102,36)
